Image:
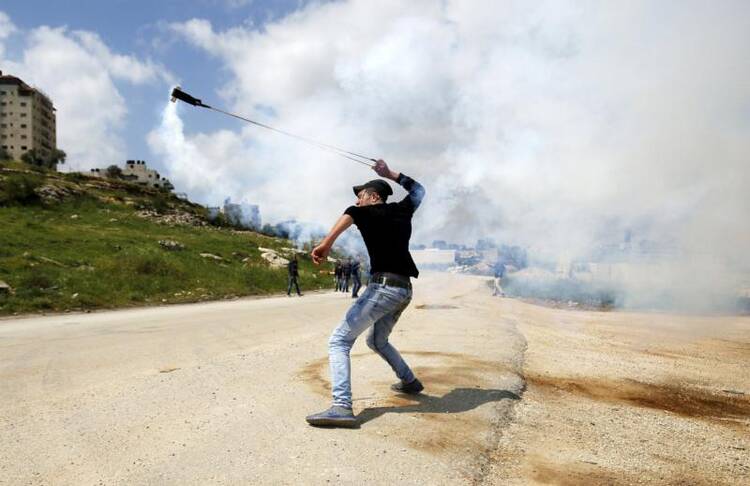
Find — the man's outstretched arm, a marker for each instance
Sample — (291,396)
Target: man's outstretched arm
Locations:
(415,189)
(321,251)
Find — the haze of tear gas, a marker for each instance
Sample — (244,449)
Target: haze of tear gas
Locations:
(557,126)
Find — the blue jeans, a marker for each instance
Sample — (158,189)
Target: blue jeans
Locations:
(378,308)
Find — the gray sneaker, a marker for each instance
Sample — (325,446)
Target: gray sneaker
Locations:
(334,417)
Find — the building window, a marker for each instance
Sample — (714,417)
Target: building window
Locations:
(23,147)
(23,115)
(24,136)
(23,125)
(23,103)
(4,125)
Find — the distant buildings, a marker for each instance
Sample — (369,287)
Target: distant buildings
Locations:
(485,244)
(232,212)
(137,171)
(433,258)
(440,244)
(487,252)
(27,119)
(240,215)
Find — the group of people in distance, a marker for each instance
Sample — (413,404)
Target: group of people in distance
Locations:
(348,272)
(345,273)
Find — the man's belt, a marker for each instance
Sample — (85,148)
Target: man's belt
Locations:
(391,280)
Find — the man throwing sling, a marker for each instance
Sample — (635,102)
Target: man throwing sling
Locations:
(386,229)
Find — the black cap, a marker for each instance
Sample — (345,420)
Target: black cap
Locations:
(379,185)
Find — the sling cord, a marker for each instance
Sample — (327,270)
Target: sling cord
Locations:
(338,151)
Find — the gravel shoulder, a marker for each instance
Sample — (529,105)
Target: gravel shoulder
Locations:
(629,398)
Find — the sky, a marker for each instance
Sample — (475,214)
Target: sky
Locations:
(554,125)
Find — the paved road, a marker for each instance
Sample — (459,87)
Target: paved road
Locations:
(217,393)
(515,394)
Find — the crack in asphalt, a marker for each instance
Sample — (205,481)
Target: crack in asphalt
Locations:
(504,414)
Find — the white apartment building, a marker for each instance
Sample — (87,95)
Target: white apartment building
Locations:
(27,119)
(138,172)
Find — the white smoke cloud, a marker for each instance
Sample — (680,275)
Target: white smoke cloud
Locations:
(199,163)
(550,124)
(79,72)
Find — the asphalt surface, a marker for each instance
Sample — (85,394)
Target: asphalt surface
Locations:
(217,393)
(515,393)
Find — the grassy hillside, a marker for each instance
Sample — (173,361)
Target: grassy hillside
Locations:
(69,242)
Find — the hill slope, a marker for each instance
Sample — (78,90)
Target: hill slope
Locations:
(71,242)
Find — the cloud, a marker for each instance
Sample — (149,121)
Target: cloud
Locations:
(556,125)
(6,26)
(80,74)
(128,68)
(6,30)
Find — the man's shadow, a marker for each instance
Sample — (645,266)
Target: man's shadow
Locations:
(456,401)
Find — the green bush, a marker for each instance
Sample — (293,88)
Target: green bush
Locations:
(221,221)
(160,203)
(19,189)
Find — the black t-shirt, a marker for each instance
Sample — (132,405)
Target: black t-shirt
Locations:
(386,229)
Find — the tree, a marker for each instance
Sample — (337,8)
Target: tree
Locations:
(268,230)
(31,157)
(4,155)
(56,156)
(49,161)
(113,172)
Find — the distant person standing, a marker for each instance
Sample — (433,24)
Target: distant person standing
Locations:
(356,282)
(499,274)
(386,230)
(346,272)
(293,270)
(337,278)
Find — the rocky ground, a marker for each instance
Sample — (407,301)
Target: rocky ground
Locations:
(217,393)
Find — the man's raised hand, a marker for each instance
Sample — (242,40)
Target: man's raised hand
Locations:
(383,170)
